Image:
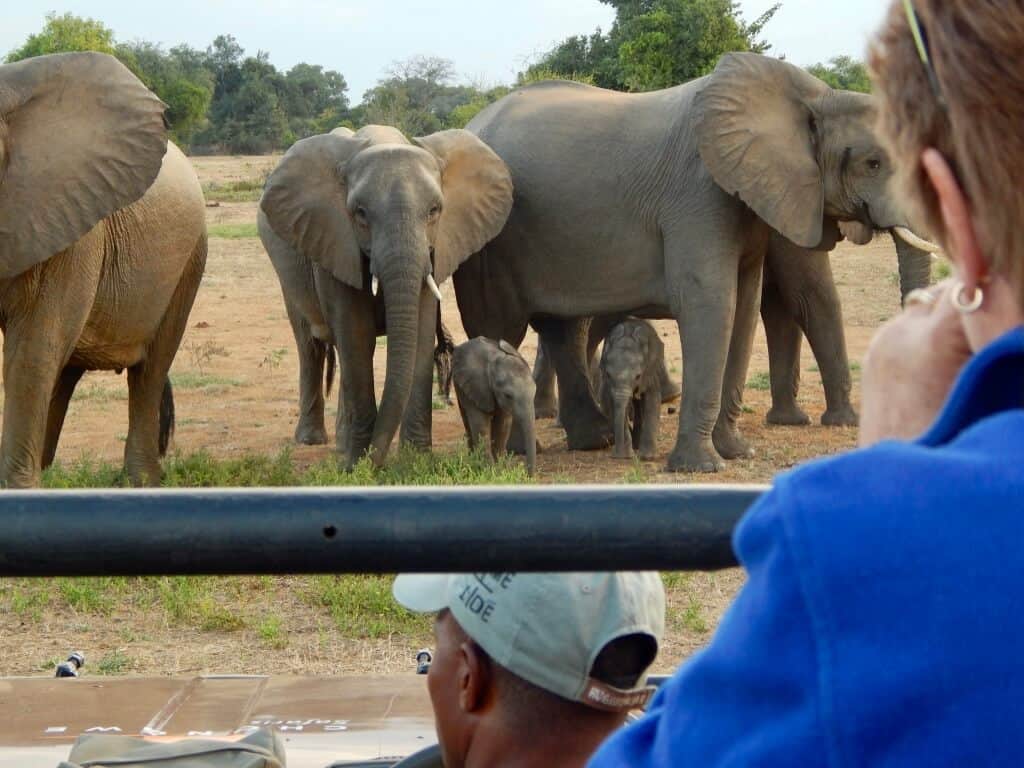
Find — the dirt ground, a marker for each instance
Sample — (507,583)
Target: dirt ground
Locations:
(237,375)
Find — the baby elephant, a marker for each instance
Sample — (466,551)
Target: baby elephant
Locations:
(631,386)
(494,385)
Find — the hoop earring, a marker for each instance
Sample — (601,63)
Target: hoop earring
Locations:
(959,298)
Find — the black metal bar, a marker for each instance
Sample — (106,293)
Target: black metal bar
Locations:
(369,530)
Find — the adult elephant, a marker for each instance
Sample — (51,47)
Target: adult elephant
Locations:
(102,247)
(662,204)
(358,212)
(800,299)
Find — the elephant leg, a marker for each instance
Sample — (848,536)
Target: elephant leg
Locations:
(784,342)
(419,412)
(353,322)
(146,380)
(478,428)
(470,437)
(702,282)
(586,427)
(501,427)
(545,403)
(726,436)
(53,306)
(669,388)
(650,415)
(66,384)
(312,354)
(443,359)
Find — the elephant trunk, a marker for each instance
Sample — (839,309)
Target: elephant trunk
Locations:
(623,440)
(526,418)
(402,281)
(915,267)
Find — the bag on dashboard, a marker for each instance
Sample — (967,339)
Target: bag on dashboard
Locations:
(261,749)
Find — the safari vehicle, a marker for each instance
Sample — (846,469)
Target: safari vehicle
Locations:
(323,722)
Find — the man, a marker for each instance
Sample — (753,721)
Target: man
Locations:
(536,669)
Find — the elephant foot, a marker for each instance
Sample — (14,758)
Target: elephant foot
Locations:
(787,416)
(623,454)
(310,434)
(589,436)
(730,445)
(648,455)
(545,407)
(144,474)
(695,457)
(840,417)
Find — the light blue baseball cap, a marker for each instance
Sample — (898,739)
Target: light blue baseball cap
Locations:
(549,628)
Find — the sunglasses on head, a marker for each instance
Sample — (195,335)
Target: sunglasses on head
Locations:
(921,41)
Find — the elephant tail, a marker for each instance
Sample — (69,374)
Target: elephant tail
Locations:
(166,417)
(332,367)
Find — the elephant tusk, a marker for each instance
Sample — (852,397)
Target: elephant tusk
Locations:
(374,285)
(432,285)
(917,242)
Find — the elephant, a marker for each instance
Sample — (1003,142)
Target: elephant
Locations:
(800,299)
(632,362)
(372,223)
(661,204)
(494,387)
(102,248)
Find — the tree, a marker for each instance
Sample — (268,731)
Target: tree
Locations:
(419,97)
(66,34)
(678,40)
(844,72)
(657,43)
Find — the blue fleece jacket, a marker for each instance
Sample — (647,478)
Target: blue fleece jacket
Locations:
(882,623)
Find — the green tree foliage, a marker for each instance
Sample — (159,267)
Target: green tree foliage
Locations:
(419,96)
(66,34)
(844,72)
(658,43)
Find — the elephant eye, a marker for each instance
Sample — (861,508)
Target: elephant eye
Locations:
(435,211)
(874,164)
(361,217)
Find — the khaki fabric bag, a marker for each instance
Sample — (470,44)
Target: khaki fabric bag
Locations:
(261,749)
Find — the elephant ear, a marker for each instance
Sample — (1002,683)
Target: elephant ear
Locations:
(306,203)
(80,138)
(477,189)
(757,134)
(470,380)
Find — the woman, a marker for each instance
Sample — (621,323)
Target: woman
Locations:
(884,613)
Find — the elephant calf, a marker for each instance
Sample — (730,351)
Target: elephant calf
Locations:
(102,247)
(494,386)
(631,387)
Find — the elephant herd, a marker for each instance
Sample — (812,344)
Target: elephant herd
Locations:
(563,207)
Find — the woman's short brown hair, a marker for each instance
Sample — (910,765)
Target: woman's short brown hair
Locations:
(974,47)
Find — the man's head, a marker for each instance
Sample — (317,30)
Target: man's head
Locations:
(517,652)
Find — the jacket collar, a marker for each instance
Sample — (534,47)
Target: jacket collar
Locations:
(990,383)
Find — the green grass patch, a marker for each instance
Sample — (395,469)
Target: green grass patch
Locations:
(204,382)
(114,663)
(760,381)
(98,394)
(232,231)
(272,632)
(243,191)
(362,606)
(942,269)
(637,474)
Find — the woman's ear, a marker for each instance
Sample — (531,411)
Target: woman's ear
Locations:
(961,238)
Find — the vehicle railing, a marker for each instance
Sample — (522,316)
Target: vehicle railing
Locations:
(369,530)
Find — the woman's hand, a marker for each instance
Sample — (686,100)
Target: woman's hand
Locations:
(911,366)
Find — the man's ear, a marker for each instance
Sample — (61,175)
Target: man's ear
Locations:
(474,678)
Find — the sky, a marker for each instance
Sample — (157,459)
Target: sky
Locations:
(489,40)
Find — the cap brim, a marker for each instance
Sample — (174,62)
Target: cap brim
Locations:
(422,592)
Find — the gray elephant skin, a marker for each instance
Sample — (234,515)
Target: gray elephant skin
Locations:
(632,366)
(102,248)
(662,204)
(354,210)
(494,387)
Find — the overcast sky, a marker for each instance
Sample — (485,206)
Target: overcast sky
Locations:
(489,40)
